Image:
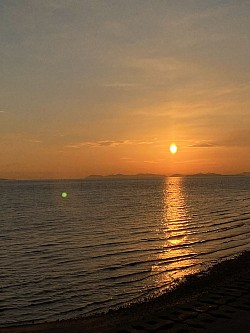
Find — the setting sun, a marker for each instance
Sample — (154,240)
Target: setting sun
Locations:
(173,148)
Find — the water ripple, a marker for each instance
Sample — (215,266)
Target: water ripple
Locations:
(112,242)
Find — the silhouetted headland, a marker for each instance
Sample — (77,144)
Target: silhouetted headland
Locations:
(122,176)
(157,176)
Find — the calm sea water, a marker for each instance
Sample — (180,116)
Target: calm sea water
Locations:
(111,242)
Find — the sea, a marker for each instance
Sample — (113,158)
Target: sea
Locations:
(71,248)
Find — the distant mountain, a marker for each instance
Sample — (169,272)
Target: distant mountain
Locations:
(209,174)
(142,176)
(156,176)
(122,176)
(246,174)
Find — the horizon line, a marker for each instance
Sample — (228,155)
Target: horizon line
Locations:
(117,175)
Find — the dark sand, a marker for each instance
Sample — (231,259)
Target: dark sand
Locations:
(217,301)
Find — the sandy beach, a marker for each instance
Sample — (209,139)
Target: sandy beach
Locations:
(213,302)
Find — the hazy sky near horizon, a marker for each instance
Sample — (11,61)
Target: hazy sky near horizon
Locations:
(100,87)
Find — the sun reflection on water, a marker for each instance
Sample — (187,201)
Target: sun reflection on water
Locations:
(175,211)
(177,258)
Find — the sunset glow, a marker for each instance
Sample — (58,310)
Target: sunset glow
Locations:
(103,87)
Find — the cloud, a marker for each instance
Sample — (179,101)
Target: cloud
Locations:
(235,138)
(151,162)
(121,85)
(203,144)
(34,141)
(19,138)
(109,143)
(125,158)
(100,143)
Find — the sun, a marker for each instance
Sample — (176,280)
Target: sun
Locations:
(173,148)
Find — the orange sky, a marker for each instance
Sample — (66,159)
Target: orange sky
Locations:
(102,87)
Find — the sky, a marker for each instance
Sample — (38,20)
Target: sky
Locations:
(105,86)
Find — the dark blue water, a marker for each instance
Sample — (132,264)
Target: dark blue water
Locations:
(111,242)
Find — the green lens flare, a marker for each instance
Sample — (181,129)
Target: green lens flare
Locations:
(64,194)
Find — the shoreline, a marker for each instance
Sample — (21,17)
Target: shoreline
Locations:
(186,293)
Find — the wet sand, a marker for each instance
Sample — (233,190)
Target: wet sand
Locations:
(217,301)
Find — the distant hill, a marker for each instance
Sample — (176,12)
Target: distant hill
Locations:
(209,174)
(243,174)
(156,176)
(122,176)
